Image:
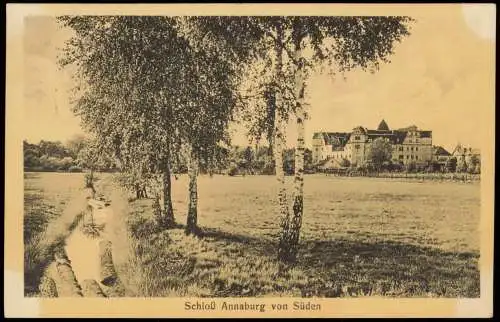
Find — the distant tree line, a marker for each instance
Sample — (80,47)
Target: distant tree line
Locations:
(75,155)
(259,160)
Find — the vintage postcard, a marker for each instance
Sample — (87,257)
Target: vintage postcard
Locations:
(249,160)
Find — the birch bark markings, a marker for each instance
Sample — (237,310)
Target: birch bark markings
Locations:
(192,216)
(298,201)
(279,133)
(168,216)
(291,228)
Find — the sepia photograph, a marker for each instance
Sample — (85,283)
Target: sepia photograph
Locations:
(251,160)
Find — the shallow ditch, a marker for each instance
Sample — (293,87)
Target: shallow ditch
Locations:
(83,265)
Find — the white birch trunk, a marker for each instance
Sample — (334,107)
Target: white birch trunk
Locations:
(291,229)
(279,146)
(168,210)
(192,216)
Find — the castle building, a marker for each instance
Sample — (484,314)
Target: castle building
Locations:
(440,155)
(465,153)
(408,145)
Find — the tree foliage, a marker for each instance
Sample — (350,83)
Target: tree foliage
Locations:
(380,152)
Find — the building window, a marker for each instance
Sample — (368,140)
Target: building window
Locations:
(357,146)
(412,157)
(411,149)
(400,148)
(416,157)
(356,137)
(407,157)
(401,156)
(407,148)
(416,148)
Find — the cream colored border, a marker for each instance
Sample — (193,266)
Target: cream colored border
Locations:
(18,306)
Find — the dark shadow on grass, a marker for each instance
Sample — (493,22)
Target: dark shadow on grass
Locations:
(345,267)
(394,268)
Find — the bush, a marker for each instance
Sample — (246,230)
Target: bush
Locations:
(345,163)
(398,167)
(89,180)
(268,169)
(411,167)
(232,171)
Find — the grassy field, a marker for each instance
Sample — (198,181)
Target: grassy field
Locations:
(360,236)
(52,204)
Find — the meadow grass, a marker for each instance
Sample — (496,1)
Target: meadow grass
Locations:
(360,237)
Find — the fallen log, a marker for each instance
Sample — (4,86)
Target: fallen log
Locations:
(69,286)
(108,273)
(48,287)
(92,289)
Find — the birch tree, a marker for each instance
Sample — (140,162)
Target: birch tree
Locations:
(345,43)
(342,43)
(127,68)
(212,73)
(153,93)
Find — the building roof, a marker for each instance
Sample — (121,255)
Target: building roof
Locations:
(395,136)
(425,134)
(383,126)
(439,150)
(408,128)
(465,150)
(333,138)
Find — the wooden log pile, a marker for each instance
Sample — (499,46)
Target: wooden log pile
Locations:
(48,287)
(92,289)
(108,273)
(69,286)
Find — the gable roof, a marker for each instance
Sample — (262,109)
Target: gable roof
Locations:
(465,150)
(439,150)
(395,136)
(333,138)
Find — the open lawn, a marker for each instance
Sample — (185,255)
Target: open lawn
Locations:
(360,236)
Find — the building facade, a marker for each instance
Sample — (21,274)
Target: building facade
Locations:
(466,154)
(440,156)
(408,145)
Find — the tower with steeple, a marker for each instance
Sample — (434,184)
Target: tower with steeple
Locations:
(383,126)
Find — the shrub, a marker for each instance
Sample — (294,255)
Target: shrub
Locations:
(268,168)
(345,163)
(411,167)
(89,180)
(232,171)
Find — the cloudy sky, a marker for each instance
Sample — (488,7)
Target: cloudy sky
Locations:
(441,78)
